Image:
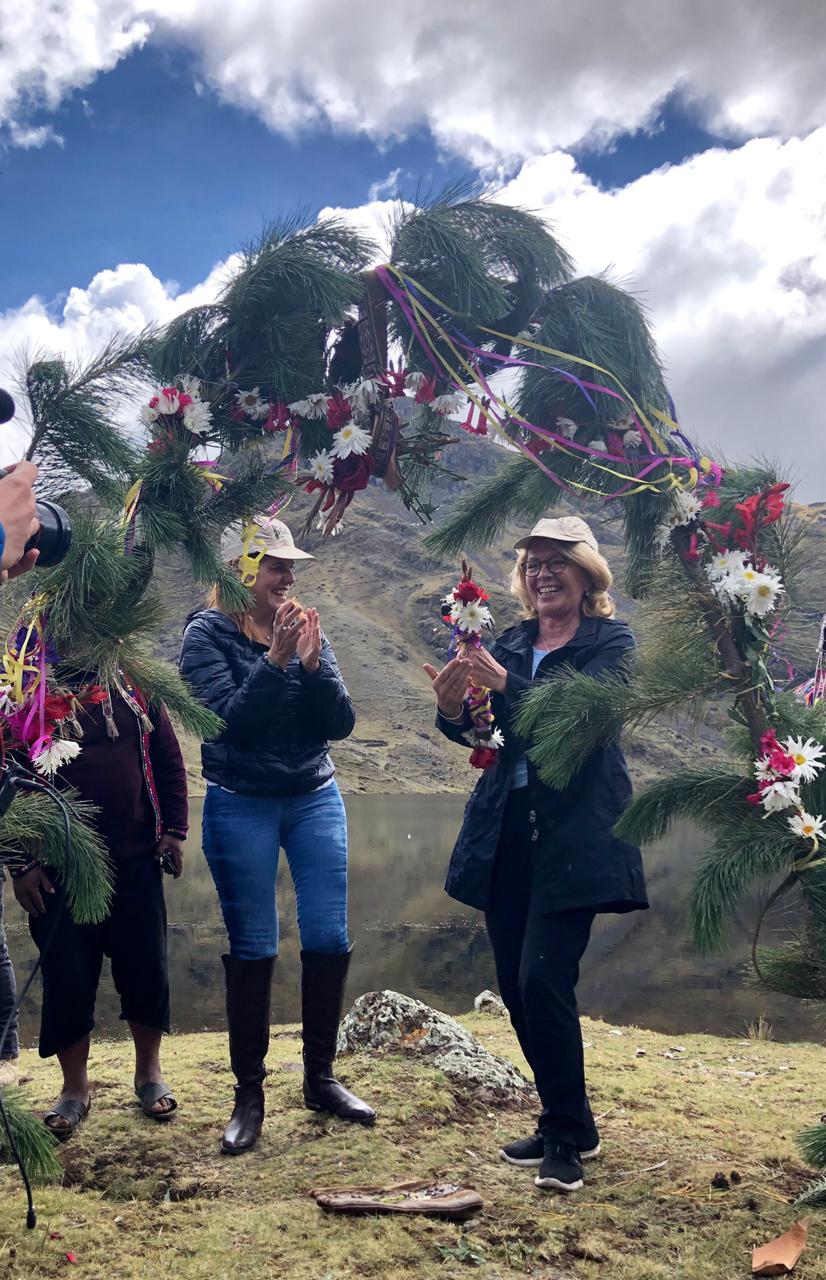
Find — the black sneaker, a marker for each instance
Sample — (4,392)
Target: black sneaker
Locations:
(561,1168)
(529,1152)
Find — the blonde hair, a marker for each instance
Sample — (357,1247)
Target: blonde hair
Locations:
(596,602)
(243,621)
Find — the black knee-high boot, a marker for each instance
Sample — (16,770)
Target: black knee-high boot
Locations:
(248,984)
(322,993)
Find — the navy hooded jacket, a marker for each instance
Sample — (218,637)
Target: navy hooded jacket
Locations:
(277,724)
(577,860)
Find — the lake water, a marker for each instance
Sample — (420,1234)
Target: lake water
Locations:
(640,969)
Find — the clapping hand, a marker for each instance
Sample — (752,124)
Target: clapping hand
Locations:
(287,627)
(309,642)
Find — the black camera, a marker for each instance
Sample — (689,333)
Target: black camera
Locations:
(54,537)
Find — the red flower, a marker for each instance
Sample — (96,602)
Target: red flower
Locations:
(313,486)
(55,707)
(96,694)
(184,400)
(393,379)
(278,418)
(756,797)
(615,444)
(351,474)
(339,411)
(483,757)
(467,591)
(712,499)
(781,763)
(768,742)
(426,392)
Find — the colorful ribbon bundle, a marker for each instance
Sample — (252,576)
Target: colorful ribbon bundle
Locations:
(654,467)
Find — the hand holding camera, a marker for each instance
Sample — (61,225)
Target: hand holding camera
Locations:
(35,532)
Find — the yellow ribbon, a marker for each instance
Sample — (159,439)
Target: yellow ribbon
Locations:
(250,558)
(130,503)
(15,667)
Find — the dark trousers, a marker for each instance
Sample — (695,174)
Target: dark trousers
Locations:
(8,991)
(537,955)
(133,936)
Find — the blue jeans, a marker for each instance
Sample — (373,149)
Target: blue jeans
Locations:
(242,837)
(8,991)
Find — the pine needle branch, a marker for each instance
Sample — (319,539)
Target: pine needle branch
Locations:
(36,1145)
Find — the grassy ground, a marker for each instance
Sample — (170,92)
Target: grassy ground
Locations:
(140,1199)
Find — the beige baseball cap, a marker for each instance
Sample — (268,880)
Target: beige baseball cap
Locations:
(271,538)
(561,529)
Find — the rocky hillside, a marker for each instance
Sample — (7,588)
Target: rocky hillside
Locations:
(378,593)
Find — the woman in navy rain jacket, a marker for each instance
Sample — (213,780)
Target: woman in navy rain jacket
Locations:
(542,863)
(272,677)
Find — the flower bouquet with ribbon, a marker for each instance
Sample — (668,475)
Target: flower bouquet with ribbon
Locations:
(465,610)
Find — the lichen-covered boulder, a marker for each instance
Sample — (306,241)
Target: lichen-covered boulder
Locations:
(490,1002)
(388,1021)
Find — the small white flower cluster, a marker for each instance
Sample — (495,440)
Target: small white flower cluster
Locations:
(59,752)
(626,426)
(685,508)
(252,404)
(470,617)
(183,400)
(780,771)
(735,580)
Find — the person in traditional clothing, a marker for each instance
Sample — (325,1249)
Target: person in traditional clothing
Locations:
(131,767)
(272,677)
(542,864)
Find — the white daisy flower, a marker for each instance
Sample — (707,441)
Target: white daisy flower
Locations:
(473,616)
(632,439)
(191,386)
(763,770)
(321,466)
(148,415)
(350,439)
(497,739)
(566,427)
(197,417)
(314,407)
(808,825)
(445,405)
(599,445)
(724,562)
(807,756)
(779,796)
(59,752)
(252,404)
(414,380)
(758,591)
(362,395)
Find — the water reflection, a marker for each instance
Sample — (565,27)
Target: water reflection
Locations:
(640,969)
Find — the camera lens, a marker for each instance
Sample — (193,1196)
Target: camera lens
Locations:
(54,537)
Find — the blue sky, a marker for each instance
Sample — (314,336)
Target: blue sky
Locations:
(155,168)
(685,155)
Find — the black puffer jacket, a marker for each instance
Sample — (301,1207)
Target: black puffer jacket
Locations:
(577,860)
(278,723)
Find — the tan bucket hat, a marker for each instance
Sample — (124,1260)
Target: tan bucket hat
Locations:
(271,538)
(561,529)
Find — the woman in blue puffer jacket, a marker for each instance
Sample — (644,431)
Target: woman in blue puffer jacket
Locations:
(272,677)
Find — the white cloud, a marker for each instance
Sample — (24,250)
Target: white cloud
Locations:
(120,301)
(727,250)
(492,83)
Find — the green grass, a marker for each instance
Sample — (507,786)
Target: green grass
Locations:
(139,1199)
